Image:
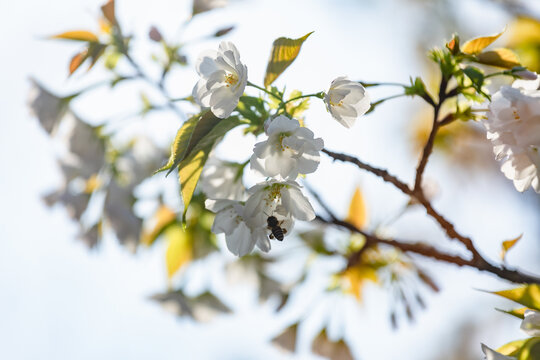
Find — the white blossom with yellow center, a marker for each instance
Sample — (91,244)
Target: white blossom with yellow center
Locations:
(346,100)
(289,150)
(223,79)
(270,197)
(513,126)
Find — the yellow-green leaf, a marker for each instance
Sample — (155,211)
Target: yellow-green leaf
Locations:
(476,45)
(163,217)
(190,168)
(507,245)
(519,313)
(191,132)
(512,348)
(503,58)
(179,249)
(530,350)
(527,295)
(357,214)
(77,35)
(284,51)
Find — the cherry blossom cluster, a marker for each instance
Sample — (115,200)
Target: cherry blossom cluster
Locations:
(513,126)
(288,151)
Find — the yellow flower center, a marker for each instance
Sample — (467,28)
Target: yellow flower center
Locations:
(516,115)
(338,104)
(279,144)
(231,79)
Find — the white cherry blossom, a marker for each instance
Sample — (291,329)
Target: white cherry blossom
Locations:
(266,197)
(289,150)
(221,180)
(513,126)
(347,100)
(240,236)
(531,323)
(494,355)
(223,79)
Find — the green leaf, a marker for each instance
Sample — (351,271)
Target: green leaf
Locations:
(476,45)
(284,52)
(190,168)
(476,76)
(527,295)
(417,87)
(189,134)
(503,58)
(77,35)
(512,348)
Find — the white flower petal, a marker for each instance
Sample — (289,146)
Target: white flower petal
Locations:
(297,204)
(493,355)
(531,323)
(240,242)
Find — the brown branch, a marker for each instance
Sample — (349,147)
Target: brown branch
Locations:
(385,175)
(431,252)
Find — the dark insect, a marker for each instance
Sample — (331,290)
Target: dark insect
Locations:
(275,226)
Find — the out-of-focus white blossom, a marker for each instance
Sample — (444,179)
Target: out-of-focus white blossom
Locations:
(513,126)
(494,355)
(223,79)
(531,323)
(230,220)
(289,150)
(220,180)
(265,198)
(47,107)
(346,100)
(526,74)
(200,6)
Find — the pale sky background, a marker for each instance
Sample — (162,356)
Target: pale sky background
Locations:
(58,300)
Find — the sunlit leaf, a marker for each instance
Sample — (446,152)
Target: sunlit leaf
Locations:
(476,45)
(512,348)
(530,350)
(190,134)
(287,339)
(333,350)
(179,249)
(507,245)
(77,60)
(519,313)
(284,52)
(527,295)
(190,168)
(77,35)
(503,58)
(108,11)
(163,217)
(357,214)
(354,278)
(524,30)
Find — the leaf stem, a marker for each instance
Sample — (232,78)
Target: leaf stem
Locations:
(264,90)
